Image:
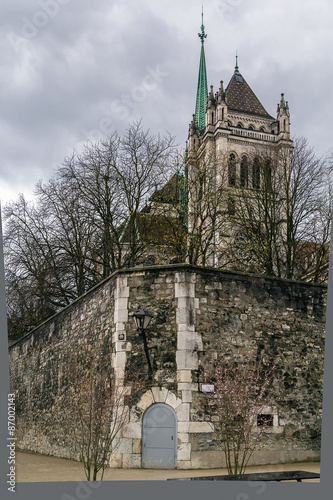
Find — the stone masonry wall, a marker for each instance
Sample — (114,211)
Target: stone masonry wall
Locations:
(194,311)
(37,372)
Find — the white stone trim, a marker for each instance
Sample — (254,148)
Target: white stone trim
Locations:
(189,342)
(121,295)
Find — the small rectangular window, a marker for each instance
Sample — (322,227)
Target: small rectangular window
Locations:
(265,419)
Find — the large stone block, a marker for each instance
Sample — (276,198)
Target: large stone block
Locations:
(183,427)
(184,465)
(200,427)
(183,437)
(187,360)
(120,315)
(121,288)
(132,430)
(121,303)
(187,386)
(131,461)
(146,400)
(172,400)
(185,327)
(187,277)
(123,445)
(116,460)
(184,451)
(207,460)
(120,359)
(120,327)
(137,445)
(159,394)
(123,346)
(183,412)
(191,341)
(184,376)
(184,290)
(186,303)
(185,316)
(187,396)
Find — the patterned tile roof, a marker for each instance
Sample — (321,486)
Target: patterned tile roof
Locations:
(240,97)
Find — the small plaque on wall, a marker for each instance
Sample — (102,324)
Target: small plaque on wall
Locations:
(121,336)
(207,388)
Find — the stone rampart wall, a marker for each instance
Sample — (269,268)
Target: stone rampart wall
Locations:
(194,311)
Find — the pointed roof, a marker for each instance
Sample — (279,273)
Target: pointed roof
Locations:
(169,193)
(240,97)
(202,89)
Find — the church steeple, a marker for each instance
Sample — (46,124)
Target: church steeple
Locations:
(202,89)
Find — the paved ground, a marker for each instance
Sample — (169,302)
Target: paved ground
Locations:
(31,467)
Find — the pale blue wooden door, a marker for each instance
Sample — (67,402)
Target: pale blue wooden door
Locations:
(159,437)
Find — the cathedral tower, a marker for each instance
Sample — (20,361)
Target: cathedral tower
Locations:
(229,128)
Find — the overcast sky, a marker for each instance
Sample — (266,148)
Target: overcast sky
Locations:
(76,70)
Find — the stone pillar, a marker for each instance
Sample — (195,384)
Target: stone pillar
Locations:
(120,344)
(189,342)
(120,348)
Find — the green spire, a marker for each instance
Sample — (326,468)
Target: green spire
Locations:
(202,90)
(236,67)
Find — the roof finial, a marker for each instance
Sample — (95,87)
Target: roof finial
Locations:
(202,35)
(202,89)
(236,67)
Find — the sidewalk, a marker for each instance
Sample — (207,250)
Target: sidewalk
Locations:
(31,467)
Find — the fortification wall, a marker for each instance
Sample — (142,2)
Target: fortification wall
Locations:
(194,311)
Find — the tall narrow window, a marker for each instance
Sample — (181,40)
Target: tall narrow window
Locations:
(268,174)
(231,206)
(256,174)
(232,170)
(244,172)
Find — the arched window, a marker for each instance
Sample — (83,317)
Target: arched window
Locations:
(256,174)
(251,127)
(151,261)
(232,170)
(244,172)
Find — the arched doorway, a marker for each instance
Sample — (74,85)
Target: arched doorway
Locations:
(159,437)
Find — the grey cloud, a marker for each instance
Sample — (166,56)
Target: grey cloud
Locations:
(89,71)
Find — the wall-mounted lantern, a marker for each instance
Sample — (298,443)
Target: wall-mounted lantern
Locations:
(142,320)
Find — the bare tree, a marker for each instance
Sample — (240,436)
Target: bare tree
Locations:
(116,177)
(285,218)
(241,396)
(198,200)
(33,291)
(96,406)
(85,223)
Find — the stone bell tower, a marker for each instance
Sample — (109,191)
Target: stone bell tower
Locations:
(229,127)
